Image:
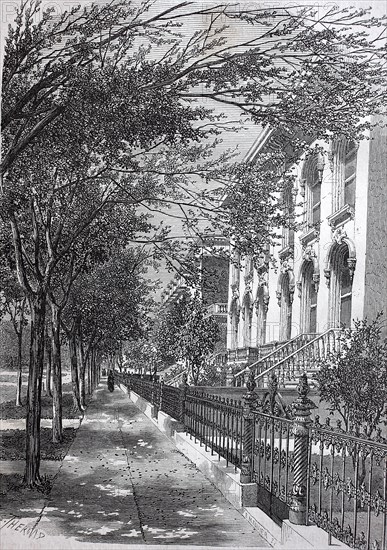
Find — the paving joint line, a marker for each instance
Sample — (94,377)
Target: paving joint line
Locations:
(135,498)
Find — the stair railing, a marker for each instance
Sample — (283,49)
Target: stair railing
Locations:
(290,368)
(272,358)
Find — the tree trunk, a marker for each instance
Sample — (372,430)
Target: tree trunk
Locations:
(34,392)
(57,431)
(89,386)
(19,368)
(48,370)
(82,381)
(74,370)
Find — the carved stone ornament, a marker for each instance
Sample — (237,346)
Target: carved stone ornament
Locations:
(266,300)
(339,235)
(278,295)
(286,266)
(309,253)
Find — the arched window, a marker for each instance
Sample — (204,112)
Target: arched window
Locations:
(340,299)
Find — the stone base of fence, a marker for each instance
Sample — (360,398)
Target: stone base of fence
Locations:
(302,536)
(241,495)
(165,423)
(214,468)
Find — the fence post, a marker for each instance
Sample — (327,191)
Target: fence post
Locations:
(161,395)
(183,395)
(249,401)
(302,421)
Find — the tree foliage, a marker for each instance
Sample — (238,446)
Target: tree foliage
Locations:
(354,380)
(128,82)
(197,339)
(186,332)
(104,119)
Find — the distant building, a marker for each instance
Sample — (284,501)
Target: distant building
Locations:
(329,272)
(214,276)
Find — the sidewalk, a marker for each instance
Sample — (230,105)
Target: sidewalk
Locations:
(124,482)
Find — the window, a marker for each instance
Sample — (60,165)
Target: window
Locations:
(344,174)
(288,208)
(308,299)
(350,174)
(340,289)
(312,182)
(316,198)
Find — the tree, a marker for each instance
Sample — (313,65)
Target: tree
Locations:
(169,321)
(109,305)
(14,304)
(101,106)
(186,332)
(353,380)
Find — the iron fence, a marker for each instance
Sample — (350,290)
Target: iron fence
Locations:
(273,463)
(347,493)
(304,471)
(171,401)
(217,423)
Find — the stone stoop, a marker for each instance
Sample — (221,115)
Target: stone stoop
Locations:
(242,496)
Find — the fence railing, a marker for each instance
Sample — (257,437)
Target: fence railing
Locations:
(217,423)
(347,493)
(272,358)
(305,471)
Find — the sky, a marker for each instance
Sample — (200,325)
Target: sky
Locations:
(243,140)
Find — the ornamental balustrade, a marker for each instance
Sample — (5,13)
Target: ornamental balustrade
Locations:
(305,471)
(293,358)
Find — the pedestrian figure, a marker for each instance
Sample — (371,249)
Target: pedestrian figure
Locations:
(110,381)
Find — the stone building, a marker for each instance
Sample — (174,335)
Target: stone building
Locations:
(214,275)
(329,272)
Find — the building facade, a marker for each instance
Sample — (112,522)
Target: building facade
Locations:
(330,271)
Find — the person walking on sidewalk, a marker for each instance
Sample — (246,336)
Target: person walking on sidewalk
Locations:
(110,381)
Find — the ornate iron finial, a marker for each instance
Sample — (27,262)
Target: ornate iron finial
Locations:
(303,386)
(250,384)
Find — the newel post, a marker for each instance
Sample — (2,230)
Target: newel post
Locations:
(249,401)
(302,421)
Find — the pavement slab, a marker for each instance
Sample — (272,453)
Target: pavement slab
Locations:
(124,482)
